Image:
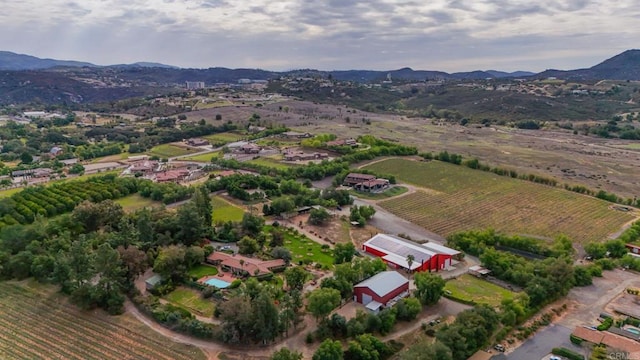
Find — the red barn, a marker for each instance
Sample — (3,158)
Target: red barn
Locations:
(395,251)
(381,290)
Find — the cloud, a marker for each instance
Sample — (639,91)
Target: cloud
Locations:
(450,35)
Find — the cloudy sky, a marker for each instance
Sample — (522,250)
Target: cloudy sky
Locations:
(448,35)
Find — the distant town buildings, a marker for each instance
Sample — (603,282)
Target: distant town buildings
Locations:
(194,85)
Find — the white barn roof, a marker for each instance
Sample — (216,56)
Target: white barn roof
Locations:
(383,283)
(441,249)
(402,248)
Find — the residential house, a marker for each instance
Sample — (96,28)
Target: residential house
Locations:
(355,178)
(197,142)
(372,185)
(245,266)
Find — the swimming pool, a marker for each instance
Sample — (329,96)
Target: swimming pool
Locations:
(632,330)
(220,284)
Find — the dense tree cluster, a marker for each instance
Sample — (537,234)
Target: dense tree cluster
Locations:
(543,280)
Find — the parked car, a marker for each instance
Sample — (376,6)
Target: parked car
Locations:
(499,347)
(553,357)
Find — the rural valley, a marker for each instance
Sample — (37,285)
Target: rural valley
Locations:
(154,212)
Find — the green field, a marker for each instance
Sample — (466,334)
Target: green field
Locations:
(394,191)
(225,211)
(268,162)
(456,198)
(302,248)
(9,192)
(203,157)
(191,300)
(36,322)
(226,137)
(168,150)
(470,288)
(135,202)
(202,271)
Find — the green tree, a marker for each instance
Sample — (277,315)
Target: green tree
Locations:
(329,350)
(429,287)
(77,169)
(202,202)
(319,216)
(170,262)
(282,205)
(367,347)
(248,246)
(296,277)
(111,283)
(194,255)
(190,224)
(26,158)
(408,309)
(252,224)
(134,260)
(343,253)
(596,250)
(426,350)
(286,354)
(266,319)
(616,248)
(280,252)
(410,260)
(322,301)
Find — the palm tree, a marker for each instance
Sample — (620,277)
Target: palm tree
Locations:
(410,259)
(242,266)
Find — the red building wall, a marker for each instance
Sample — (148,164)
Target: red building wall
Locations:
(435,263)
(359,291)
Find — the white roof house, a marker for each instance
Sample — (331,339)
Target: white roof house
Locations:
(398,249)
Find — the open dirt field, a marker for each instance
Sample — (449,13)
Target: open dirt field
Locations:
(576,159)
(456,198)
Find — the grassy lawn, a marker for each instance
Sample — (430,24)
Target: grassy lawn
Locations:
(191,300)
(168,150)
(203,270)
(394,191)
(225,211)
(227,137)
(135,202)
(8,192)
(456,198)
(470,288)
(204,157)
(272,163)
(302,248)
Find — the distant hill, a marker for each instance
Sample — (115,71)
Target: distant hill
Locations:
(624,66)
(13,61)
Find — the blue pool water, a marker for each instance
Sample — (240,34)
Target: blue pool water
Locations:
(220,284)
(633,330)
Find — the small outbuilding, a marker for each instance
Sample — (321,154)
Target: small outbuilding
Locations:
(153,281)
(381,290)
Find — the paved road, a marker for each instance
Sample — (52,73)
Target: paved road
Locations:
(392,224)
(541,344)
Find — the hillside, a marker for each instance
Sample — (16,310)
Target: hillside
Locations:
(624,66)
(13,61)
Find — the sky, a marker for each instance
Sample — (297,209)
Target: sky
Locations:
(445,35)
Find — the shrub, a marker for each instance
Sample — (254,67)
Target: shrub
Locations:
(606,324)
(576,340)
(235,284)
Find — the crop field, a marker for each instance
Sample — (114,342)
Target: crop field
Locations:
(168,150)
(456,198)
(225,211)
(225,138)
(37,323)
(470,288)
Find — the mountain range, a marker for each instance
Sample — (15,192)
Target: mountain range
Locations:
(624,66)
(28,79)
